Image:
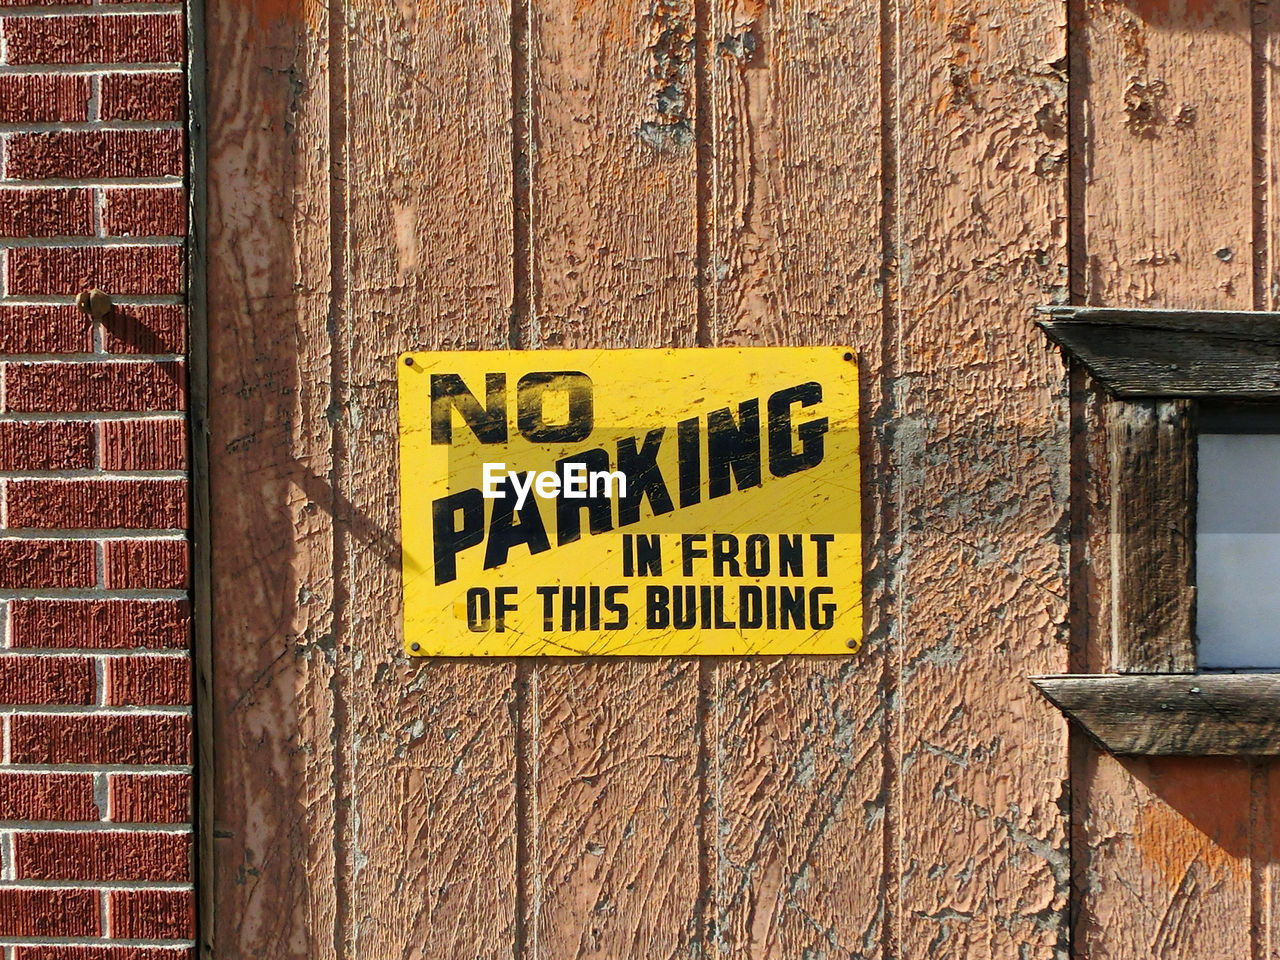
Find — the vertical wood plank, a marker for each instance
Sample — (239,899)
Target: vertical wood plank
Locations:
(1173,835)
(1153,489)
(1265,846)
(1168,198)
(801,745)
(981,448)
(614,798)
(1167,221)
(430,746)
(613,191)
(268,270)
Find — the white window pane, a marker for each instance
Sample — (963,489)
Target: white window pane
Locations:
(1238,550)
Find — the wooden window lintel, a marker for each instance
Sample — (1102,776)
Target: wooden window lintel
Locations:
(1173,715)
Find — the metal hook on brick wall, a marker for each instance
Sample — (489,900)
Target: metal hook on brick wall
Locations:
(95,304)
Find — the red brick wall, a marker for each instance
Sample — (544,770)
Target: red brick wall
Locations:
(95,679)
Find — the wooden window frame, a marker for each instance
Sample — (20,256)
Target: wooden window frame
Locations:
(1158,365)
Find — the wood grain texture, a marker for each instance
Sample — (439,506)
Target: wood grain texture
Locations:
(801,745)
(613,868)
(272,590)
(614,236)
(1092,545)
(1168,204)
(1148,353)
(1166,223)
(1173,715)
(1153,522)
(981,454)
(429,747)
(713,182)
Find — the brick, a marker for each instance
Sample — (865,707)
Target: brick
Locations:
(49,913)
(38,212)
(146,564)
(103,953)
(68,154)
(99,624)
(125,271)
(145,212)
(28,680)
(150,797)
(34,564)
(144,681)
(142,444)
(152,914)
(100,738)
(43,98)
(94,154)
(45,445)
(143,96)
(105,855)
(155,329)
(44,329)
(97,504)
(92,387)
(153,38)
(47,796)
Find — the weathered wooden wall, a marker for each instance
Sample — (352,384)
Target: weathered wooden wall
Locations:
(894,175)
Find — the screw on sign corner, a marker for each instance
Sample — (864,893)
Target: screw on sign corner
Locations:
(95,304)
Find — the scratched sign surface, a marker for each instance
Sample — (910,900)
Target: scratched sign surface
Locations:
(630,502)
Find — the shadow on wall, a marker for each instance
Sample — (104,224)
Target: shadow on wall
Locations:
(1228,803)
(277,782)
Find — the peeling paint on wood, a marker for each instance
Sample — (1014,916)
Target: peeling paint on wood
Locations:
(1163,190)
(798,747)
(271,455)
(613,867)
(429,847)
(984,854)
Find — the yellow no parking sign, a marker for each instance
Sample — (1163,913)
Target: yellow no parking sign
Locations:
(630,502)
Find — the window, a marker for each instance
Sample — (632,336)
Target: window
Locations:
(1237,558)
(1187,386)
